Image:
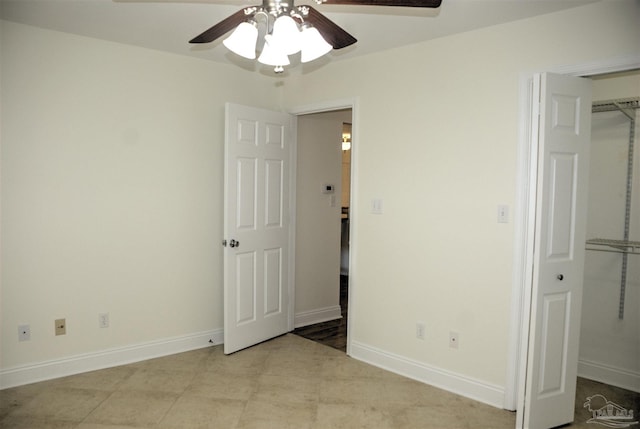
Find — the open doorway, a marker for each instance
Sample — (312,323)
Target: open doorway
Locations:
(323,225)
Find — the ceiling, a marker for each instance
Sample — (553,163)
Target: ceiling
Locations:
(168,25)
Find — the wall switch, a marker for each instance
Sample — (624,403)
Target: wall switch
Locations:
(61,326)
(503,213)
(454,339)
(24,333)
(103,320)
(420,331)
(376,206)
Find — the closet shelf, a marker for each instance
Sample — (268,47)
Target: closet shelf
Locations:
(617,246)
(615,105)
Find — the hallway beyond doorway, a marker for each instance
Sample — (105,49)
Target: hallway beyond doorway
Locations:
(334,332)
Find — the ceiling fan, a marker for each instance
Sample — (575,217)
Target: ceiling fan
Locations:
(289,29)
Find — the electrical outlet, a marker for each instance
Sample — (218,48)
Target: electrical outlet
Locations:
(420,330)
(24,333)
(103,320)
(454,339)
(61,326)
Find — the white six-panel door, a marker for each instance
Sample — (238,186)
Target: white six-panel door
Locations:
(257,225)
(563,162)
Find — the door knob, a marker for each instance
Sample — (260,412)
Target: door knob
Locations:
(234,243)
(560,277)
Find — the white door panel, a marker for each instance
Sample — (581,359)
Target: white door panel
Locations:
(563,160)
(258,151)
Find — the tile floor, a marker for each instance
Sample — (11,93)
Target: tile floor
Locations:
(288,382)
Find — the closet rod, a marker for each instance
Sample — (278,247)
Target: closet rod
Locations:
(615,246)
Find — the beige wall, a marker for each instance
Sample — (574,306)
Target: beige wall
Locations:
(112,160)
(437,138)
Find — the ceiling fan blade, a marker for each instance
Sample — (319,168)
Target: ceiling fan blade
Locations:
(404,3)
(221,28)
(330,31)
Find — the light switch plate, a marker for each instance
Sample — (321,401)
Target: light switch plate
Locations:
(503,213)
(376,206)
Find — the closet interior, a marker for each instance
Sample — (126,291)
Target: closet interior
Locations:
(622,245)
(610,325)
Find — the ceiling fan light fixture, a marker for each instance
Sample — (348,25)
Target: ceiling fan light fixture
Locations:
(286,24)
(243,40)
(286,35)
(272,55)
(313,45)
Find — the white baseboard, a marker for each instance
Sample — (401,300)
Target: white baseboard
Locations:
(318,315)
(18,376)
(611,375)
(443,379)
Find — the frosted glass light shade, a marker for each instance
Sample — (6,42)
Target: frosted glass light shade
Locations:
(287,35)
(272,55)
(313,45)
(243,40)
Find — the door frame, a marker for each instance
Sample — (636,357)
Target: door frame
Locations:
(524,223)
(328,106)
